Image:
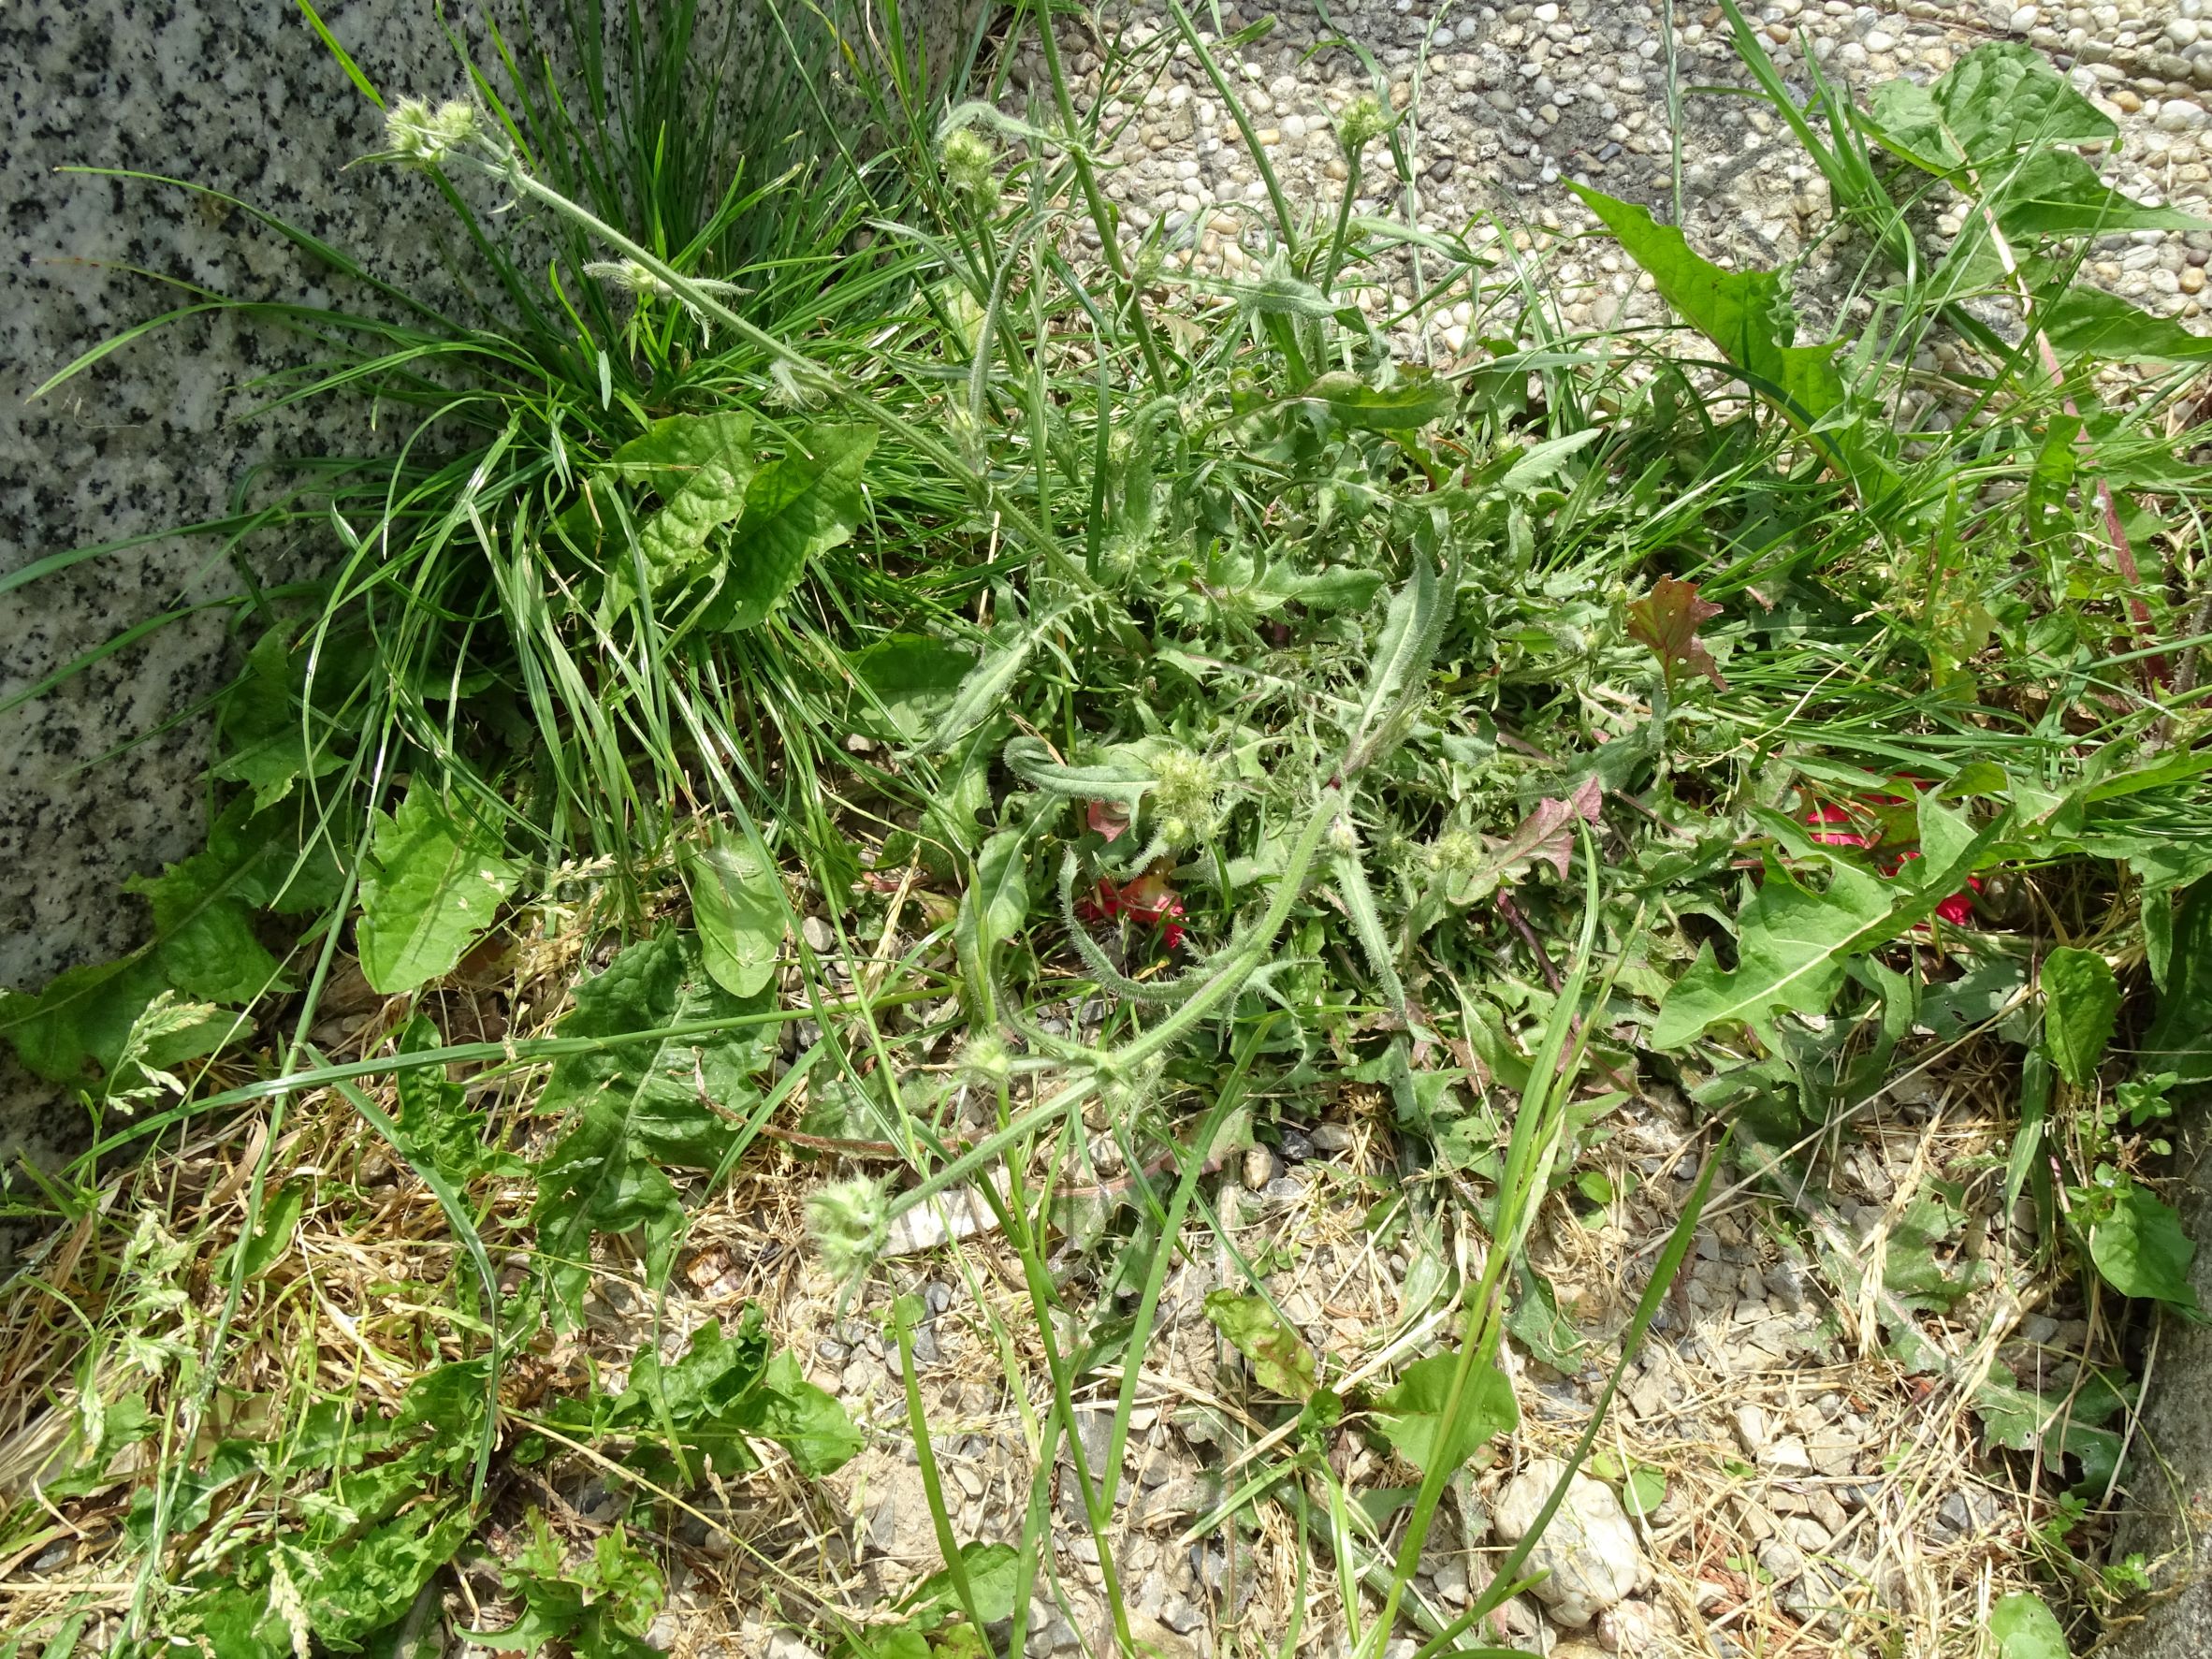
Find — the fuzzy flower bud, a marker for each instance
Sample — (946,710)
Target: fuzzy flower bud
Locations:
(1362,120)
(970,167)
(985,1060)
(1457,853)
(1182,795)
(422,136)
(849,1221)
(1342,838)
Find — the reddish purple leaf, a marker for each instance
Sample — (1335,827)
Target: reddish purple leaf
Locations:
(1666,622)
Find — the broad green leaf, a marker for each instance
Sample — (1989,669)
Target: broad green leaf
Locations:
(2180,1038)
(726,1392)
(2024,1628)
(1643,1490)
(2081,1000)
(700,466)
(737,906)
(1543,461)
(205,908)
(1996,102)
(1001,890)
(1281,1362)
(1412,1413)
(260,1250)
(1791,947)
(914,676)
(433,883)
(1742,312)
(659,1099)
(75,1029)
(1416,399)
(2140,1249)
(2087,322)
(1918,1266)
(1794,944)
(795,509)
(353,1590)
(439,1125)
(2057,193)
(993,1580)
(1120,775)
(263,741)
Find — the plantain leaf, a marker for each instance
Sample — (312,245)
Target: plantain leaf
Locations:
(1994,103)
(700,466)
(2081,1001)
(738,907)
(1001,892)
(433,883)
(1412,1413)
(2024,1628)
(2141,1249)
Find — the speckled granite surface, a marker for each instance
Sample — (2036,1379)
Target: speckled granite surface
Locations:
(239,95)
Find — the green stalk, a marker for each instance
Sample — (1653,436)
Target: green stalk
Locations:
(904,1312)
(1101,216)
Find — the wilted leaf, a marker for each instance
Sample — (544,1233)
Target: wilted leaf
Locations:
(1546,836)
(1281,1362)
(1666,622)
(434,881)
(1412,1413)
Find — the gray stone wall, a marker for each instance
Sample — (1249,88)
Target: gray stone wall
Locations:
(240,96)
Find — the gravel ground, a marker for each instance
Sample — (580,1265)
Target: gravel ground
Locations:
(1509,101)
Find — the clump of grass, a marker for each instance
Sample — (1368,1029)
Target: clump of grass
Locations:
(1195,709)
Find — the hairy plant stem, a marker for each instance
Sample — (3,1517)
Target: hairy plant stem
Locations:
(1222,988)
(1101,216)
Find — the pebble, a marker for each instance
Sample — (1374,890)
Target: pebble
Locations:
(1588,1555)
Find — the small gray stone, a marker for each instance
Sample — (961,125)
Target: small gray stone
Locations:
(1588,1555)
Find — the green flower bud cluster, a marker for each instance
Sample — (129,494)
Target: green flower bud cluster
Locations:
(971,167)
(1363,119)
(1183,796)
(850,1220)
(423,137)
